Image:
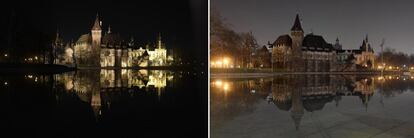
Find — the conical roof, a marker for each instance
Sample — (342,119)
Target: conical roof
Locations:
(97,25)
(297,26)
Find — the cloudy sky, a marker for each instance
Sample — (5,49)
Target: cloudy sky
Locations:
(350,20)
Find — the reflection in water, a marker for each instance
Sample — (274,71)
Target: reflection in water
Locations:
(95,86)
(298,94)
(100,102)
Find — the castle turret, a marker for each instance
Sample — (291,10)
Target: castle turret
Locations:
(109,29)
(297,38)
(159,42)
(337,45)
(96,41)
(297,33)
(96,32)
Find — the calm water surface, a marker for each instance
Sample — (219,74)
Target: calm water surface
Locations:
(313,106)
(107,102)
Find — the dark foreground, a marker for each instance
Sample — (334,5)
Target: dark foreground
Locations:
(33,68)
(105,103)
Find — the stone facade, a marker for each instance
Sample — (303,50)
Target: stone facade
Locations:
(296,52)
(96,49)
(311,53)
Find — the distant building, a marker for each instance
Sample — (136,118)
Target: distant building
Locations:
(296,52)
(98,49)
(302,53)
(365,54)
(363,57)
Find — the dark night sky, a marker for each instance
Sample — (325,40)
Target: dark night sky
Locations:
(350,20)
(183,23)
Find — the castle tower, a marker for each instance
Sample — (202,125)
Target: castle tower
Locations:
(337,45)
(297,33)
(297,37)
(337,40)
(96,41)
(159,42)
(109,29)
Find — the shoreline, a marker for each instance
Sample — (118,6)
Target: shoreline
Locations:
(269,74)
(56,69)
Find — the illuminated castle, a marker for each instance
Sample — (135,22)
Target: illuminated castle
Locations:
(98,49)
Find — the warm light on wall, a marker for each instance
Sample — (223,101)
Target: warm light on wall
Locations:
(226,87)
(218,83)
(224,62)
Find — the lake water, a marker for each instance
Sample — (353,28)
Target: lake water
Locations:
(106,102)
(313,106)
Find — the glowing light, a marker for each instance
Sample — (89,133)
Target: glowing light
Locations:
(35,57)
(226,87)
(124,64)
(36,79)
(5,55)
(219,64)
(226,61)
(218,82)
(5,83)
(69,85)
(30,76)
(412,68)
(390,67)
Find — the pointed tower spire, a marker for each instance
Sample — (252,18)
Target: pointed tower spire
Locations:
(57,35)
(109,29)
(297,25)
(96,25)
(337,40)
(159,40)
(366,38)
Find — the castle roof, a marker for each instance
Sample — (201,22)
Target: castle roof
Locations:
(283,40)
(112,39)
(297,26)
(85,38)
(366,46)
(313,42)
